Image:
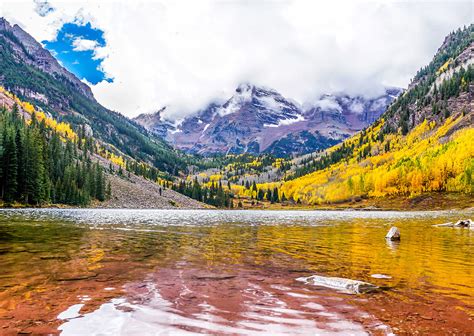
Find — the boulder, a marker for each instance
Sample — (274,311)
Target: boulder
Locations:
(345,285)
(88,130)
(393,233)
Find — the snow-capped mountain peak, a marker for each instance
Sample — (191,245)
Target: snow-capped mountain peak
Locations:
(258,119)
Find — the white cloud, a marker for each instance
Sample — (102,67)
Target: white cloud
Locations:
(328,103)
(184,54)
(80,44)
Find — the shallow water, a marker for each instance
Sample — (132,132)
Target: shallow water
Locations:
(140,272)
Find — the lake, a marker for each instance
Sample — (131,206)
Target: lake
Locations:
(180,272)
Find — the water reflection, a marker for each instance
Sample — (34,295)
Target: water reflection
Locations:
(54,259)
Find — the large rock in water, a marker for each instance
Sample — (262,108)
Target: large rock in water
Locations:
(342,284)
(393,233)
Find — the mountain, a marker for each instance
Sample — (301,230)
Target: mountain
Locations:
(260,120)
(33,74)
(27,50)
(423,143)
(44,162)
(155,123)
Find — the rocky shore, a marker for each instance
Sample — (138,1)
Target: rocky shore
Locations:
(135,192)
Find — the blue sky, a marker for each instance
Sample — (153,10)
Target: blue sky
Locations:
(75,47)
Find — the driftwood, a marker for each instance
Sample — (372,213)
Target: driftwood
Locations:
(463,223)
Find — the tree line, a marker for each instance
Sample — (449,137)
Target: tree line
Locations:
(222,195)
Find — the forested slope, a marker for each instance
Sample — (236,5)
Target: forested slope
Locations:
(30,72)
(423,143)
(43,161)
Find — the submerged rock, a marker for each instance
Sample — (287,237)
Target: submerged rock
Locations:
(393,233)
(449,224)
(381,276)
(342,284)
(211,276)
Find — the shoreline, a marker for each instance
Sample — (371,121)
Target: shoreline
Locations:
(426,202)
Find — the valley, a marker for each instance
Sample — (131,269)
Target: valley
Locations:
(258,149)
(236,168)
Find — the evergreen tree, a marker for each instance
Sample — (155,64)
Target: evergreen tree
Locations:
(275,198)
(10,167)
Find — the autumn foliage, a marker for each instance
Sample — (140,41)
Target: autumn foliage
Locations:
(428,159)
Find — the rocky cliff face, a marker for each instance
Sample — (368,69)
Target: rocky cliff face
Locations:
(27,50)
(155,123)
(260,120)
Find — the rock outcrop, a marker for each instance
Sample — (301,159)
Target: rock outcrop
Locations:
(462,223)
(29,51)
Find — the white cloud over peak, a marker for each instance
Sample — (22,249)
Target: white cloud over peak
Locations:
(80,44)
(184,54)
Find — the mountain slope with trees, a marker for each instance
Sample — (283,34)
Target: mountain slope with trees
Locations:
(423,143)
(40,164)
(33,74)
(45,162)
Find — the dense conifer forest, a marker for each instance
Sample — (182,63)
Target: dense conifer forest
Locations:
(39,166)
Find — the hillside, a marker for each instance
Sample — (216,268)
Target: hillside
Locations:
(259,120)
(421,148)
(423,143)
(45,162)
(33,74)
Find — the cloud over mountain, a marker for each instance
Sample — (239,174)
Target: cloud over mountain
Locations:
(184,54)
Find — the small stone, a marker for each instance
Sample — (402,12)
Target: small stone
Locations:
(393,233)
(380,276)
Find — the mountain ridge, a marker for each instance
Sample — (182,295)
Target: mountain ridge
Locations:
(32,52)
(260,120)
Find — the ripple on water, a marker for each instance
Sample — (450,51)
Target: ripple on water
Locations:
(120,317)
(40,247)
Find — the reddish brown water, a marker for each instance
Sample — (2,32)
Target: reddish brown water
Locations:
(125,272)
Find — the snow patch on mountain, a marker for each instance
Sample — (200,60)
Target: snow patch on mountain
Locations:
(257,119)
(244,95)
(285,122)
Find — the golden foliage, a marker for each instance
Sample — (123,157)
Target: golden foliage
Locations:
(444,67)
(116,159)
(62,128)
(424,160)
